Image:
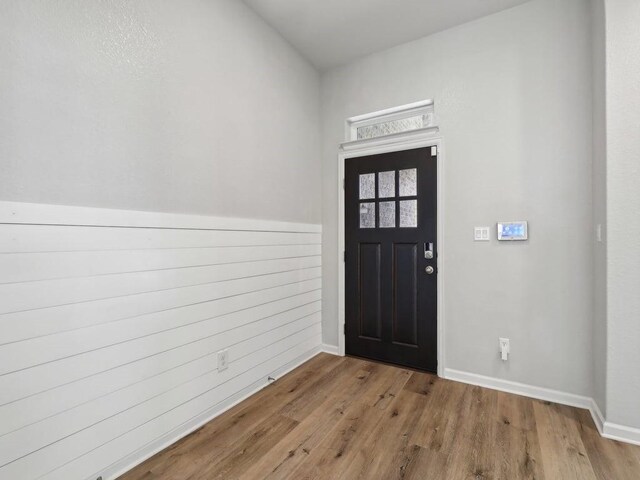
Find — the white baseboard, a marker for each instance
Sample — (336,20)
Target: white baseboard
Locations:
(613,431)
(332,349)
(606,429)
(598,417)
(621,433)
(517,388)
(136,458)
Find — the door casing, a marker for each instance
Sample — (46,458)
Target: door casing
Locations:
(426,137)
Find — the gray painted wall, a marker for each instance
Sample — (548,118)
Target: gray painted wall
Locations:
(192,106)
(623,207)
(513,96)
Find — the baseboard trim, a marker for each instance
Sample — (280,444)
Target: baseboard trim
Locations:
(598,417)
(131,461)
(606,429)
(332,349)
(517,388)
(621,433)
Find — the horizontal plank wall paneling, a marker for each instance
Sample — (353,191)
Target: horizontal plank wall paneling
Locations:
(111,321)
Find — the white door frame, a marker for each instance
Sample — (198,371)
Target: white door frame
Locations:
(424,137)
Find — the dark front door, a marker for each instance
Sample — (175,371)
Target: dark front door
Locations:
(391,253)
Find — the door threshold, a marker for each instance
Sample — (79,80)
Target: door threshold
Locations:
(390,364)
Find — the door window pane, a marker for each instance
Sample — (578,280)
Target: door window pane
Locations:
(368,215)
(387,184)
(387,214)
(409,213)
(408,186)
(367,186)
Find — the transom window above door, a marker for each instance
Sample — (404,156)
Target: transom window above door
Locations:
(389,199)
(418,116)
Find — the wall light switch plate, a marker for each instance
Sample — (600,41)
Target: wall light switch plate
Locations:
(481,234)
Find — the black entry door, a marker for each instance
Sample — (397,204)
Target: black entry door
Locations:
(391,253)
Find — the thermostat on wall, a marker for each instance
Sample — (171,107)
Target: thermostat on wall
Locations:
(512,231)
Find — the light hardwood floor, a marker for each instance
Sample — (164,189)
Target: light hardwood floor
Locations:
(345,418)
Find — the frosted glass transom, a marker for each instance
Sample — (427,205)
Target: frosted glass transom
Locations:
(393,126)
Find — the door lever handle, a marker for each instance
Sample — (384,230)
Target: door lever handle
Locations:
(428,251)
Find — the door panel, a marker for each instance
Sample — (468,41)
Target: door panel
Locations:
(405,294)
(370,308)
(390,215)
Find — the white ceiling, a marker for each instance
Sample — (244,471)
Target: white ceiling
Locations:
(334,32)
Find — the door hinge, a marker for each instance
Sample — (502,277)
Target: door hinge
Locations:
(344,256)
(344,328)
(344,183)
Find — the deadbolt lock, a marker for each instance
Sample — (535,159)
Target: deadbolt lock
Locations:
(428,251)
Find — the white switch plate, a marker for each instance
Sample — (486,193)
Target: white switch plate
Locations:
(481,234)
(223,360)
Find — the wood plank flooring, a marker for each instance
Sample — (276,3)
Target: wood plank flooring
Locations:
(346,418)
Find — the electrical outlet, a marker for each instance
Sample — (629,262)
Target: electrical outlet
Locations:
(223,360)
(505,348)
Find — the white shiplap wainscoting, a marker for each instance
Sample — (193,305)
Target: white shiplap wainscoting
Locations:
(111,321)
